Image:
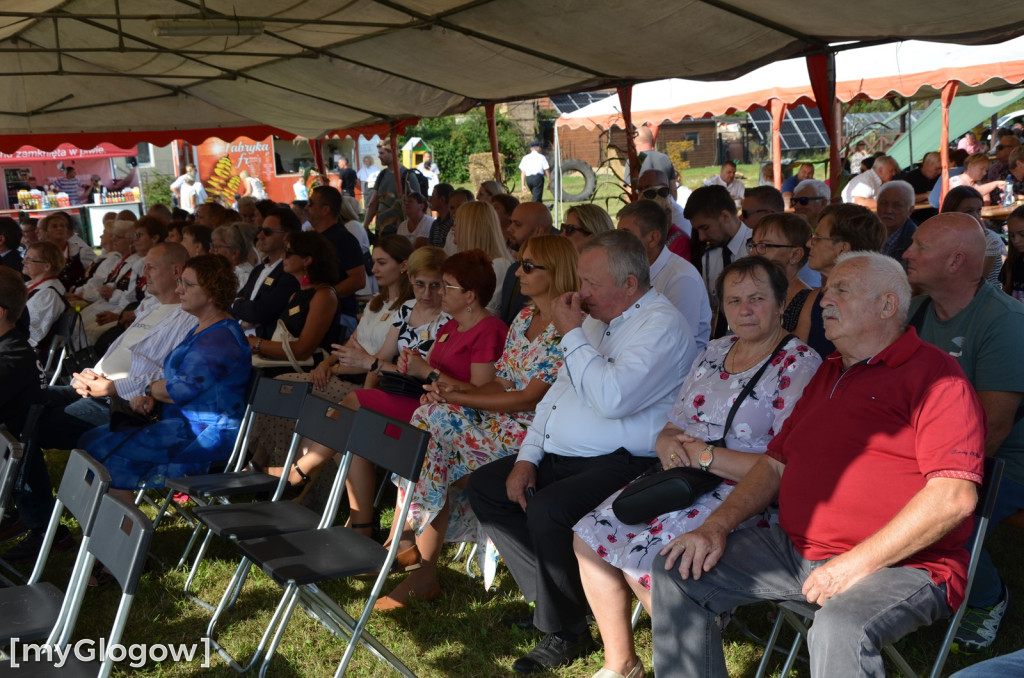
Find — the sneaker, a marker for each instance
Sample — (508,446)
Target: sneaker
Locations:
(12,527)
(28,548)
(980,625)
(553,652)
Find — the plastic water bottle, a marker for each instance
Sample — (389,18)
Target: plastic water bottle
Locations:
(1008,197)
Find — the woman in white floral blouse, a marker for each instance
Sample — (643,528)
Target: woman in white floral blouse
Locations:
(473,426)
(615,557)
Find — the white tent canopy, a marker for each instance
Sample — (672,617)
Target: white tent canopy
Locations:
(912,68)
(77,66)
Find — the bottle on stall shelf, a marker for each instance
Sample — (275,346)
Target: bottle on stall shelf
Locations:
(1008,197)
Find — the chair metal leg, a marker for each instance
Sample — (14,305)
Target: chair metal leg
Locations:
(635,618)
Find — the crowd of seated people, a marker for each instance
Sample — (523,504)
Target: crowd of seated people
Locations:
(552,367)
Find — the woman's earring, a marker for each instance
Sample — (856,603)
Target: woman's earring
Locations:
(469,309)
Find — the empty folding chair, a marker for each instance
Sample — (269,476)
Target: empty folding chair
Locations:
(321,421)
(120,541)
(300,560)
(799,615)
(279,398)
(29,612)
(10,464)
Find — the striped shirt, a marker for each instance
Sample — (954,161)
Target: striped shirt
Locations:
(162,327)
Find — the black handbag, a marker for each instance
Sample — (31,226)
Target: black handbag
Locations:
(123,417)
(401,384)
(661,491)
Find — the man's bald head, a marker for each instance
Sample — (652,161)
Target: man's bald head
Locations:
(529,219)
(644,140)
(948,253)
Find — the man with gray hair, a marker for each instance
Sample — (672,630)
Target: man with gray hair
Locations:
(624,363)
(890,417)
(863,188)
(895,205)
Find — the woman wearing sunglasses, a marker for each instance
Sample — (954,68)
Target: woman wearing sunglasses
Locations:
(473,425)
(583,221)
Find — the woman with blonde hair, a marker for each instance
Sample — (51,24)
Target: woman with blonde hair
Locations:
(473,425)
(488,190)
(234,243)
(584,221)
(477,228)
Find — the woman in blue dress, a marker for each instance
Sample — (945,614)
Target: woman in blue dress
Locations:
(201,398)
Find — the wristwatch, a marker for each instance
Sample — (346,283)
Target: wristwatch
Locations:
(149,390)
(707,456)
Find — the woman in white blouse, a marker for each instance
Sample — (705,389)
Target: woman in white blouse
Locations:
(42,264)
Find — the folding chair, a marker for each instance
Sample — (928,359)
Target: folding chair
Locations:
(121,542)
(799,615)
(283,399)
(319,420)
(11,453)
(300,560)
(62,347)
(29,612)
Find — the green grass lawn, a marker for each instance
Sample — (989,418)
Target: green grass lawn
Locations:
(459,635)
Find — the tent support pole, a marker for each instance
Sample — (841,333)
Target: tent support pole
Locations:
(778,108)
(395,158)
(626,99)
(492,135)
(948,93)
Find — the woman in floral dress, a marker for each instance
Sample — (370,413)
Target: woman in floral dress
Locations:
(471,427)
(615,557)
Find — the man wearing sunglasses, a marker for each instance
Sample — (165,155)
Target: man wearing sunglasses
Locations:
(656,185)
(1008,143)
(759,202)
(266,293)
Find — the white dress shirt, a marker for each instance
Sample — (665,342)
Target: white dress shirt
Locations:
(735,187)
(617,385)
(680,282)
(864,185)
(713,260)
(90,289)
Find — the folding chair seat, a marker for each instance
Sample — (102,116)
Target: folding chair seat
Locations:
(299,560)
(29,612)
(319,420)
(799,615)
(120,541)
(269,396)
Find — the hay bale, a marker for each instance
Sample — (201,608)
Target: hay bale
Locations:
(481,168)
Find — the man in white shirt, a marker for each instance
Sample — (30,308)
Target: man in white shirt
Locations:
(133,361)
(863,188)
(533,169)
(180,181)
(624,364)
(430,170)
(673,276)
(726,178)
(712,212)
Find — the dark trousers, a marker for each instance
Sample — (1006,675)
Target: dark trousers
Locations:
(537,545)
(66,417)
(535,182)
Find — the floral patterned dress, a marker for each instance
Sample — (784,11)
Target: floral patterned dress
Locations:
(701,410)
(464,439)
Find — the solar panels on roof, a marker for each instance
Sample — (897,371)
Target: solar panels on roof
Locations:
(802,128)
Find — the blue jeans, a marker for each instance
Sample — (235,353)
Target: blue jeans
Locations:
(1008,665)
(66,417)
(761,564)
(987,584)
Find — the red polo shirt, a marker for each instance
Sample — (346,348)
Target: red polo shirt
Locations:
(861,443)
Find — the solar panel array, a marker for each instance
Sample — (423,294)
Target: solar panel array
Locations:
(567,103)
(802,128)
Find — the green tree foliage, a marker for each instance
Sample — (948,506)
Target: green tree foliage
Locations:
(455,137)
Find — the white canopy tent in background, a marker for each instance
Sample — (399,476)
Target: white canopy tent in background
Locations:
(912,69)
(96,66)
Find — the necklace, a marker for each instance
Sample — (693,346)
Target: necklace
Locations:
(738,368)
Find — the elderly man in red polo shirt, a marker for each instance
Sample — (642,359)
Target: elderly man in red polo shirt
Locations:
(875,472)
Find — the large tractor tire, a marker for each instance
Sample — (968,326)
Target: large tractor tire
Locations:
(589,181)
